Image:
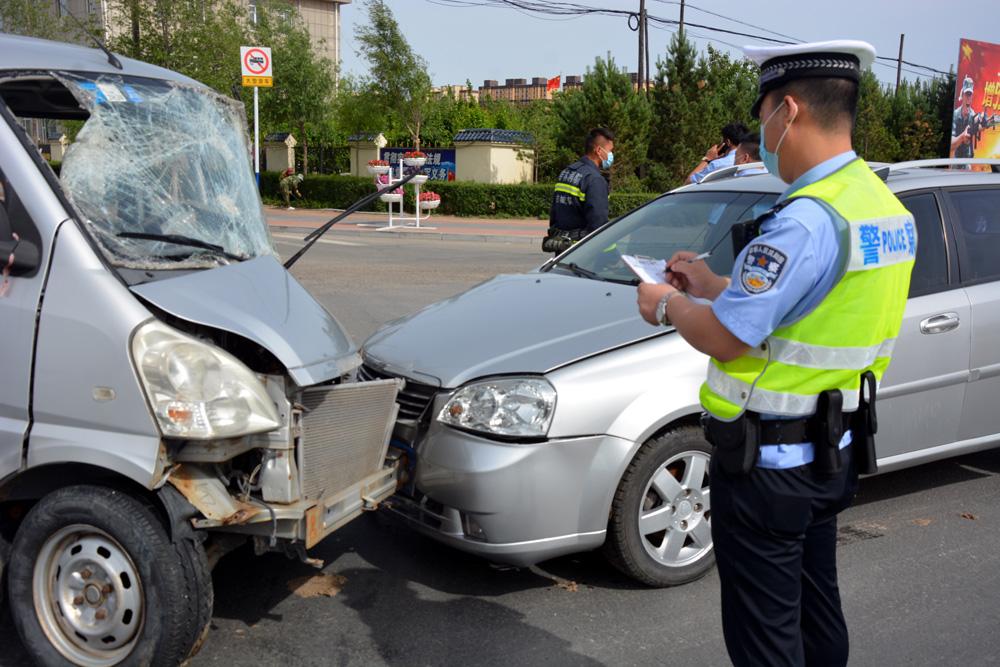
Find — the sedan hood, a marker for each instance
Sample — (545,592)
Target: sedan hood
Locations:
(528,323)
(259,300)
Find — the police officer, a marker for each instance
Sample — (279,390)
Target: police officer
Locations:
(580,200)
(808,316)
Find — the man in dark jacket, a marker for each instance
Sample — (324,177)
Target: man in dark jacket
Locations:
(580,200)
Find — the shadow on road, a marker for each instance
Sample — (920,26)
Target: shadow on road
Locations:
(411,630)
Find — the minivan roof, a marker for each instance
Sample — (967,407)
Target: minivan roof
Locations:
(32,55)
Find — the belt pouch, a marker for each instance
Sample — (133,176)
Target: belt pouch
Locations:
(864,425)
(735,442)
(829,431)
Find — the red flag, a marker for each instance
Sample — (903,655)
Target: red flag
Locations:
(552,84)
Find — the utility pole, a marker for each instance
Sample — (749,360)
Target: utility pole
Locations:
(899,62)
(649,74)
(642,45)
(682,19)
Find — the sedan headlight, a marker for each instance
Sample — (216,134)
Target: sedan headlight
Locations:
(197,390)
(513,407)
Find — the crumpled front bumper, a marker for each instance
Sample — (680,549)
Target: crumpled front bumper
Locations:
(513,503)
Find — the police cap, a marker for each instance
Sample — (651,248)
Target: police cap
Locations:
(841,59)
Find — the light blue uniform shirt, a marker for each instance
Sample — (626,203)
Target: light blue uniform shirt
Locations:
(753,171)
(800,245)
(727,160)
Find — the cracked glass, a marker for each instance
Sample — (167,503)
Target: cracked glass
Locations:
(161,172)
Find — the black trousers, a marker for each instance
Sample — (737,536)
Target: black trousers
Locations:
(775,537)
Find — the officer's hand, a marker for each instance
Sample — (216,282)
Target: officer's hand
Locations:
(649,296)
(695,278)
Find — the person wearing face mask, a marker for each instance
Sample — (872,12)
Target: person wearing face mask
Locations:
(580,200)
(799,336)
(748,152)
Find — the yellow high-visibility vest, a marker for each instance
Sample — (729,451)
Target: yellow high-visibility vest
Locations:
(851,331)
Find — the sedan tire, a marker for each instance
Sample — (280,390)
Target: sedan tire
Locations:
(660,528)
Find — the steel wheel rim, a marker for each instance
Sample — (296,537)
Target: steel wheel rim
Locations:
(88,596)
(674,517)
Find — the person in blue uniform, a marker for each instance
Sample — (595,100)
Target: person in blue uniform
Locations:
(720,155)
(774,506)
(580,198)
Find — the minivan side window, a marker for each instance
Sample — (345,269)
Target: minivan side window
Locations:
(930,272)
(978,226)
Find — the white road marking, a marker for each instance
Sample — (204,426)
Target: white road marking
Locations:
(327,241)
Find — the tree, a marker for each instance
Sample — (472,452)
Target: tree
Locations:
(398,78)
(693,98)
(606,99)
(301,98)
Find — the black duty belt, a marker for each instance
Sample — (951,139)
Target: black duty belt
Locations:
(793,431)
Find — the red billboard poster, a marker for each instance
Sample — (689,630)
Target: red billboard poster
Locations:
(975,127)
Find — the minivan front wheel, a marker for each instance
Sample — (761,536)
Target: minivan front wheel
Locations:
(95,581)
(660,528)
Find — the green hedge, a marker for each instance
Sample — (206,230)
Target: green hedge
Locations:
(457,198)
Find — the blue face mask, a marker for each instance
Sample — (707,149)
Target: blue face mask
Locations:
(770,159)
(608,161)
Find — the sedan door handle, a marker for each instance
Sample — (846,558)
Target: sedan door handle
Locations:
(940,323)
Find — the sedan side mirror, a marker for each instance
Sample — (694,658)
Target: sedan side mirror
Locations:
(27,256)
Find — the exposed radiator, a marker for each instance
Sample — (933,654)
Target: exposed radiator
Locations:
(345,434)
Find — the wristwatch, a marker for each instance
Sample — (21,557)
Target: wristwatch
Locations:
(661,308)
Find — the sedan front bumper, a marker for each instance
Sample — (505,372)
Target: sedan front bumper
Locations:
(510,502)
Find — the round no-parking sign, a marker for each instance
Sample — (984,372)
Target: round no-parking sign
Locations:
(256,64)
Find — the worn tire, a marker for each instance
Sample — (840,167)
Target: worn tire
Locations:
(172,578)
(5,547)
(627,548)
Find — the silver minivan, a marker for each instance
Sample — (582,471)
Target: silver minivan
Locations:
(541,416)
(169,390)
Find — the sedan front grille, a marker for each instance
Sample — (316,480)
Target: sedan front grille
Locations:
(413,399)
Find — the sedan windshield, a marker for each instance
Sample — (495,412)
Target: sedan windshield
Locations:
(161,173)
(695,221)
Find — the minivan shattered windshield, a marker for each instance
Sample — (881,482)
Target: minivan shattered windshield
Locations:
(161,173)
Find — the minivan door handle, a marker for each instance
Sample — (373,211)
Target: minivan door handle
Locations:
(939,323)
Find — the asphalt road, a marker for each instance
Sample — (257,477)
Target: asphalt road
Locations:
(918,554)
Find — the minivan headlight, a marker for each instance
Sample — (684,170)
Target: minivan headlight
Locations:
(197,390)
(513,407)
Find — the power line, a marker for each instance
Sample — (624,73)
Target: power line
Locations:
(569,10)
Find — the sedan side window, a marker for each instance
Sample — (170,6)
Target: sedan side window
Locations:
(978,226)
(930,272)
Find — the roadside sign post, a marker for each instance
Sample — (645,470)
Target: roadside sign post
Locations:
(255,62)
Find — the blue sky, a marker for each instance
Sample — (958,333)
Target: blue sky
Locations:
(480,43)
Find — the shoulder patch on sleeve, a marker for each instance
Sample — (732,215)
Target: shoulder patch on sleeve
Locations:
(761,268)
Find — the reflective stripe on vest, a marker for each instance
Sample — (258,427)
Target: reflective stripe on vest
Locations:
(571,190)
(852,330)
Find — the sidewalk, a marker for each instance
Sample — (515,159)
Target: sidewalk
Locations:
(506,230)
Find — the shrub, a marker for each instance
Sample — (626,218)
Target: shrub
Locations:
(459,198)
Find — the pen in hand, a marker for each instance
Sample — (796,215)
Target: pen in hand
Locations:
(704,255)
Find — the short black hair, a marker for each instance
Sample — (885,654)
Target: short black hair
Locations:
(833,102)
(591,143)
(733,133)
(750,142)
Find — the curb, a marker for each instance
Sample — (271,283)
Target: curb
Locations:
(431,236)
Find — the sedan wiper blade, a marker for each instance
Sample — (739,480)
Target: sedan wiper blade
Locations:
(578,270)
(180,239)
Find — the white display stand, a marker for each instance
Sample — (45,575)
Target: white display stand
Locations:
(397,214)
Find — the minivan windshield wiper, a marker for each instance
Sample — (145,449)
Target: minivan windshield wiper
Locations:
(578,270)
(180,239)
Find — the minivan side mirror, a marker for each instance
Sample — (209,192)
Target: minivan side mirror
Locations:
(27,256)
